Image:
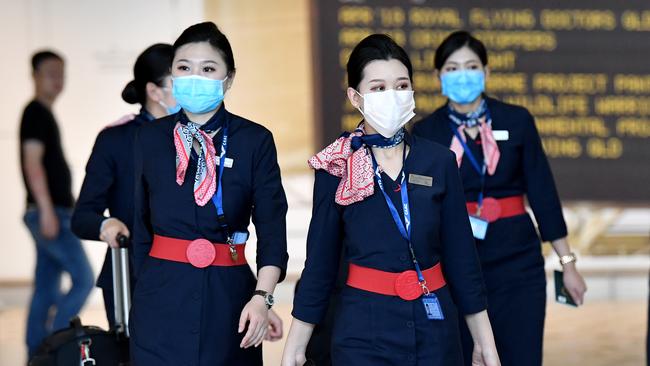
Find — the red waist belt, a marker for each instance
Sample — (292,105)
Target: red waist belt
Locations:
(404,284)
(200,252)
(494,209)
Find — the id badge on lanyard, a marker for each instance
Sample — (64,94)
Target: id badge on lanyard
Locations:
(237,237)
(432,307)
(479,225)
(429,300)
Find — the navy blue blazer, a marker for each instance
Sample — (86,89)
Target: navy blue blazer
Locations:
(367,236)
(187,315)
(510,254)
(523,168)
(108,185)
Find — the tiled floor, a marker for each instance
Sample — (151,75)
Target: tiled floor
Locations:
(600,334)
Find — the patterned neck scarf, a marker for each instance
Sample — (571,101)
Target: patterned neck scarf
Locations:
(185,133)
(470,119)
(380,141)
(481,118)
(346,158)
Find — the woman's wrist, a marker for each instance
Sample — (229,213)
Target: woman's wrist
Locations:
(569,267)
(480,329)
(299,333)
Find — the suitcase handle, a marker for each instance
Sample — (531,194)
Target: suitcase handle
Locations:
(123,241)
(121,285)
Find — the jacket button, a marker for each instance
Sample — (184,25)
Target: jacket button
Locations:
(403,257)
(196,295)
(410,324)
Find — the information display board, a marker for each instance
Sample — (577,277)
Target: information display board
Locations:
(581,67)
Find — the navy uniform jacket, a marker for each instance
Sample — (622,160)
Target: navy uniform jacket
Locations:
(182,315)
(372,329)
(522,170)
(510,255)
(108,185)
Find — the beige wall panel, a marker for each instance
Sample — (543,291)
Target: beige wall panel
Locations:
(273,86)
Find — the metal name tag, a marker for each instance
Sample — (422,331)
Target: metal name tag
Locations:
(421,180)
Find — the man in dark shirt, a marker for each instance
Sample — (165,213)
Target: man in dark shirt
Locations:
(49,206)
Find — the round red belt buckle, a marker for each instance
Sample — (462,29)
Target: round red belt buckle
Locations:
(491,210)
(201,253)
(407,285)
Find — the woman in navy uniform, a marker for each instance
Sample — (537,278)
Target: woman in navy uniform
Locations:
(109,173)
(200,176)
(501,160)
(394,206)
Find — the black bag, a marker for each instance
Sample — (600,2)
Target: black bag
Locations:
(89,345)
(79,345)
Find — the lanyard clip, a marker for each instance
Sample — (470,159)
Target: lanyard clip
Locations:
(233,251)
(425,289)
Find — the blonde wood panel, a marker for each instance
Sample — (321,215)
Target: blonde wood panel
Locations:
(273,85)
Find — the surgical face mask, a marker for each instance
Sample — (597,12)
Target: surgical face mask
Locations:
(170,110)
(198,94)
(463,86)
(388,111)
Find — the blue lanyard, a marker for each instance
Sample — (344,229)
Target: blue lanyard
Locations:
(480,168)
(403,227)
(217,198)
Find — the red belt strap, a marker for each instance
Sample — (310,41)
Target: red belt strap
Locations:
(501,208)
(199,253)
(404,284)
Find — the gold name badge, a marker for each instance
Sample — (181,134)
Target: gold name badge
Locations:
(421,180)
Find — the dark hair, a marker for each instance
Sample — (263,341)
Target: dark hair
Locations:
(39,57)
(152,66)
(374,47)
(456,41)
(208,32)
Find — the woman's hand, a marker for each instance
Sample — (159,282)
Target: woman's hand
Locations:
(275,327)
(296,346)
(256,314)
(574,283)
(110,229)
(485,349)
(485,356)
(294,356)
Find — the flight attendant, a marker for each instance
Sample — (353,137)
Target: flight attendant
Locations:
(501,162)
(109,173)
(200,175)
(393,205)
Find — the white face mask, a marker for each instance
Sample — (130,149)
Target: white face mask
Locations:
(388,111)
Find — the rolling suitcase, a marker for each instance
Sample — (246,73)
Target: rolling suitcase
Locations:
(89,345)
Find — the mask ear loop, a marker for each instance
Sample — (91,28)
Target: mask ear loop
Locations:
(168,89)
(223,85)
(357,107)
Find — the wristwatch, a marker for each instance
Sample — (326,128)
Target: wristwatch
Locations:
(566,259)
(269,300)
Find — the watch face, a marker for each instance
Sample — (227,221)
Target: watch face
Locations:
(270,299)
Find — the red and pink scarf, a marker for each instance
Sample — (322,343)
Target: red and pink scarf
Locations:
(489,145)
(205,180)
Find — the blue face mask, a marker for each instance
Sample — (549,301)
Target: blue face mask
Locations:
(197,94)
(171,110)
(463,86)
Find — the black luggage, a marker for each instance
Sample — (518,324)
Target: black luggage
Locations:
(89,345)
